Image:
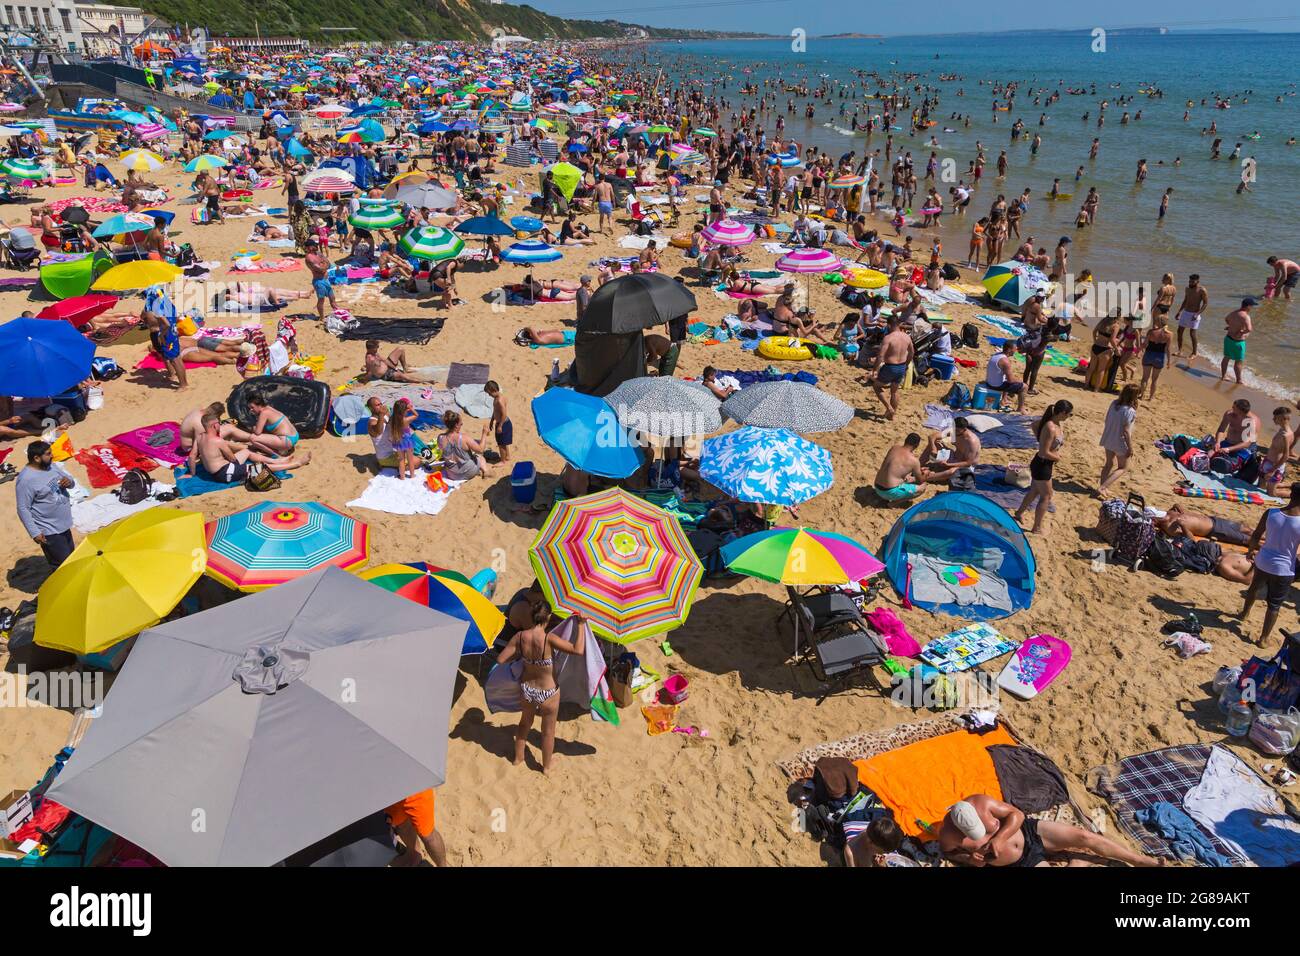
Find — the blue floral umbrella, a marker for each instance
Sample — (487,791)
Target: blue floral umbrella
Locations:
(771,466)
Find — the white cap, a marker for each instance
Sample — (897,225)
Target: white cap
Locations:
(967,819)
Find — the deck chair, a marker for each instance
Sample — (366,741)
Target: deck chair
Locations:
(830,634)
(652,219)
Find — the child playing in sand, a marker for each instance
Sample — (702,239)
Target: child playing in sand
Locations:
(403,437)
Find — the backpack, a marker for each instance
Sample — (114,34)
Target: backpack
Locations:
(970,335)
(261,478)
(1198,556)
(185,255)
(1162,558)
(136,487)
(958,396)
(949,272)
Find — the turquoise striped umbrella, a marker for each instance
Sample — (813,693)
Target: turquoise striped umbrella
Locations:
(376,215)
(530,251)
(20,168)
(431,242)
(274,542)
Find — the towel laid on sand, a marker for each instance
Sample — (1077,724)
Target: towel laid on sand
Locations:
(266,265)
(423,398)
(468,373)
(402,496)
(102,510)
(1234,803)
(107,465)
(152,363)
(187,485)
(476,402)
(161,442)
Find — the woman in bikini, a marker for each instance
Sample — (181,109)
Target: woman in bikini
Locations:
(739,284)
(541,697)
(1050,432)
(272,431)
(976,243)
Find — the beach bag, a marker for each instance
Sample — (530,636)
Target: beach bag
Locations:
(1109,516)
(970,335)
(1135,534)
(1273,684)
(949,272)
(104,369)
(1195,459)
(261,478)
(958,396)
(1276,734)
(1017,476)
(1163,558)
(1249,470)
(135,488)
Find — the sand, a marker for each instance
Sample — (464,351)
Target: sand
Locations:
(616,796)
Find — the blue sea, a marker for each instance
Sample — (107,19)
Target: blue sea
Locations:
(1210,229)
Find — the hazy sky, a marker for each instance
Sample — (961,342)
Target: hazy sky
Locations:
(943,16)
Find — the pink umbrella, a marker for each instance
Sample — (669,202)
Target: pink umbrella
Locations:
(809,260)
(728,232)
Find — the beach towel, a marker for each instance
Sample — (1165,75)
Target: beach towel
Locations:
(643,242)
(402,496)
(965,647)
(1010,326)
(424,399)
(476,402)
(467,373)
(1051,357)
(201,483)
(1139,782)
(107,465)
(1222,487)
(1030,781)
(1185,837)
(266,265)
(402,331)
(580,682)
(921,781)
(161,442)
(152,363)
(989,484)
(1016,432)
(1243,812)
(102,510)
(273,243)
(941,296)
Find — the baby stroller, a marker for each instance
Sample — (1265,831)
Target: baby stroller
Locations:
(20,250)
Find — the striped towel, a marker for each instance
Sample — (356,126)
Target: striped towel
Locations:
(1224,494)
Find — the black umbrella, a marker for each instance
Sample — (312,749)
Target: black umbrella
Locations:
(636,301)
(76,215)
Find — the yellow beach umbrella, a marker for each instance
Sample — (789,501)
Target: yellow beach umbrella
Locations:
(140,274)
(121,580)
(142,160)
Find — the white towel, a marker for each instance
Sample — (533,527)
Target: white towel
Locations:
(402,496)
(102,510)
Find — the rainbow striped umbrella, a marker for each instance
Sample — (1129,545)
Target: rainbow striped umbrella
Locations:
(618,560)
(728,232)
(531,251)
(809,259)
(447,591)
(431,242)
(274,542)
(846,182)
(376,215)
(801,557)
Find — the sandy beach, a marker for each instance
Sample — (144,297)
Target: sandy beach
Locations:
(615,795)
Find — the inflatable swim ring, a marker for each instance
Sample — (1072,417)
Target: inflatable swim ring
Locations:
(866,279)
(1059,196)
(784,348)
(681,241)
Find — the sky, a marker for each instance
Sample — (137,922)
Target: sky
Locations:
(945,16)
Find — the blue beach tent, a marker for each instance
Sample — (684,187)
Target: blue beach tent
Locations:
(962,529)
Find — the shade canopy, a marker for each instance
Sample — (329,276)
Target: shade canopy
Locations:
(798,406)
(585,431)
(243,734)
(772,466)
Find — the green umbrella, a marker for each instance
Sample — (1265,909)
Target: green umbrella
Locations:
(378,215)
(24,169)
(660,128)
(431,242)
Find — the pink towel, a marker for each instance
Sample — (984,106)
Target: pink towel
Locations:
(891,627)
(270,265)
(152,363)
(168,454)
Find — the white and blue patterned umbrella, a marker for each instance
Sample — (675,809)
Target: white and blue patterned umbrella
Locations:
(771,466)
(531,251)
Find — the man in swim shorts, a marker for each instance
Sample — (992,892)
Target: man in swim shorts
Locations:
(604,193)
(1238,327)
(413,819)
(900,476)
(982,831)
(1286,275)
(223,462)
(320,283)
(1272,467)
(896,353)
(1179,521)
(1195,299)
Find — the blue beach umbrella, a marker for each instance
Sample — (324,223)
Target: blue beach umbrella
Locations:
(531,251)
(771,466)
(586,433)
(526,223)
(40,357)
(485,226)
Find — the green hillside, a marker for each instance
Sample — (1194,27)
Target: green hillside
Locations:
(385,20)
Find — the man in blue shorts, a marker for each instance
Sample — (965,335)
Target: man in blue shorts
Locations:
(320,283)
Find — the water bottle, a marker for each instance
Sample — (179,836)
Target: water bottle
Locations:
(1239,719)
(1228,696)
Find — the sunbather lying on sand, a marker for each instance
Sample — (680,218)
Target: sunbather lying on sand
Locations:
(1182,521)
(738,283)
(555,290)
(208,348)
(981,831)
(537,336)
(251,296)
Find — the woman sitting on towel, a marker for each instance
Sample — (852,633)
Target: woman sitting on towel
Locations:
(738,283)
(574,233)
(462,457)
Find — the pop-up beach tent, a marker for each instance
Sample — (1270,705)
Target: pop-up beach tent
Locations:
(960,554)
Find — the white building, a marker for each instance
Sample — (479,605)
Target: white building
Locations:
(41,22)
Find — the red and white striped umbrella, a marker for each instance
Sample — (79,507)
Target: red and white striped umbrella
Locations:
(148,131)
(328,181)
(809,259)
(728,232)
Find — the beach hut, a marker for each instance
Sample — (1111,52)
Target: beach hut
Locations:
(961,554)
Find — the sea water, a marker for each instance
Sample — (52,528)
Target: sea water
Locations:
(1210,229)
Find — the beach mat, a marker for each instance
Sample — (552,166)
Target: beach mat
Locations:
(400,331)
(467,373)
(152,363)
(989,484)
(188,486)
(167,453)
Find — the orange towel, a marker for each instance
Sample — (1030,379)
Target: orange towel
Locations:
(922,780)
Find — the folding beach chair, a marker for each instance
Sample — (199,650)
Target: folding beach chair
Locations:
(831,636)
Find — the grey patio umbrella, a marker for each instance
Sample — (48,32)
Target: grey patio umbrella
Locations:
(798,406)
(666,407)
(243,734)
(426,196)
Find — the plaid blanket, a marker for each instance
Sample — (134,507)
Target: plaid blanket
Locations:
(1139,782)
